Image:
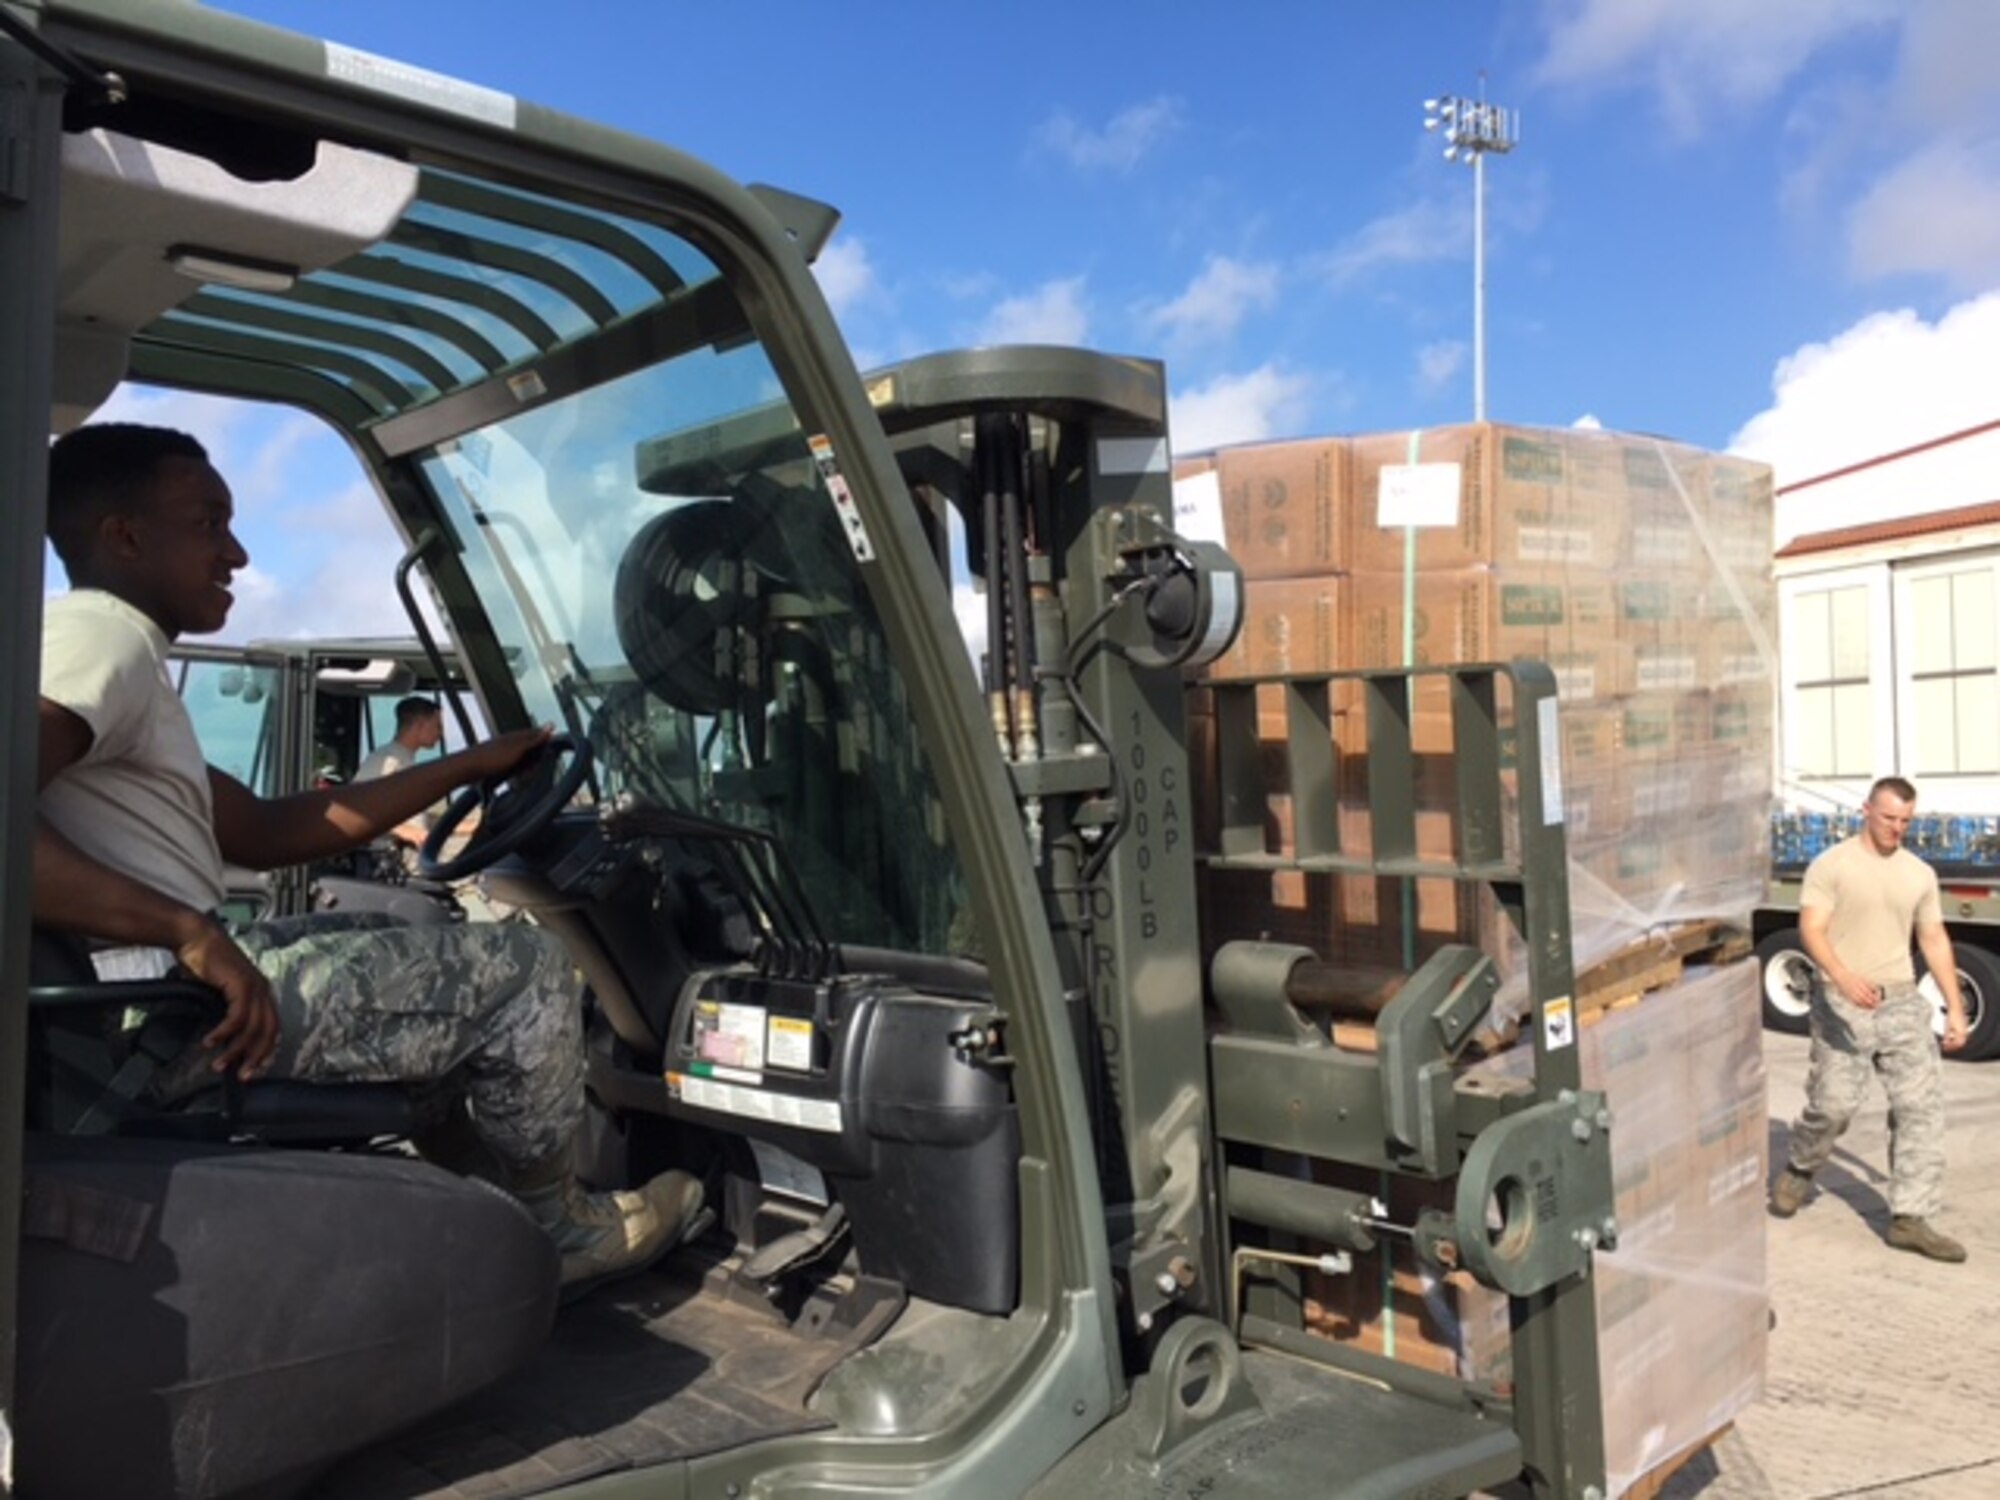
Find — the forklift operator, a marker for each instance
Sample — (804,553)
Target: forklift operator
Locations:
(133,830)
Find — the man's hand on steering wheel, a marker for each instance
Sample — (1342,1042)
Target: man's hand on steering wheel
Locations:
(503,754)
(517,785)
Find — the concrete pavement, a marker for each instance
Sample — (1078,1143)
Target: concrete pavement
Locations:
(1884,1374)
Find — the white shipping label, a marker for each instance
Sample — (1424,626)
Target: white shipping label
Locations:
(1198,507)
(1418,495)
(1548,720)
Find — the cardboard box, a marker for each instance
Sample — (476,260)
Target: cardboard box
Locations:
(1527,497)
(1285,507)
(1289,625)
(1732,656)
(1491,615)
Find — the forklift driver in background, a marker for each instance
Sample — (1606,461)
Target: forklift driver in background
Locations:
(133,829)
(419,727)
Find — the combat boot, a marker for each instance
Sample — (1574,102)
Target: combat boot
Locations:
(1908,1232)
(1789,1192)
(606,1235)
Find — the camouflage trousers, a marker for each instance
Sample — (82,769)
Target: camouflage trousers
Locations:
(1849,1045)
(493,1007)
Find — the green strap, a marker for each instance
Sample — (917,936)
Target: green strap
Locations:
(1409,887)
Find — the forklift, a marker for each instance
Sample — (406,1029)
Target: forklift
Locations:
(1019,1176)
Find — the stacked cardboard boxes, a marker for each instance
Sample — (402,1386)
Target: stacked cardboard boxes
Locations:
(1640,572)
(1683,1309)
(1637,569)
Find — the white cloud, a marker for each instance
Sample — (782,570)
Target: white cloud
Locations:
(1699,55)
(1904,127)
(1216,302)
(341,553)
(968,602)
(1937,212)
(1944,73)
(1889,382)
(1431,230)
(266,476)
(1266,402)
(1128,136)
(213,421)
(1438,363)
(1588,422)
(846,275)
(1053,313)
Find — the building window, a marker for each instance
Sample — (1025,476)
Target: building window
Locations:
(1954,689)
(1832,730)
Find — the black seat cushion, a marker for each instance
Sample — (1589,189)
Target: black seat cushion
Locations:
(200,1320)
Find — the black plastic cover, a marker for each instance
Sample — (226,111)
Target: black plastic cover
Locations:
(869,1082)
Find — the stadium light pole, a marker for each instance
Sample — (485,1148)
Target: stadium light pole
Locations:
(1472,128)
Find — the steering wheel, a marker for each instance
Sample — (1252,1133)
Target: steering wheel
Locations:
(517,807)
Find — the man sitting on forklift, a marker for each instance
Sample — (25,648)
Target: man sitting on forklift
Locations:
(133,830)
(419,727)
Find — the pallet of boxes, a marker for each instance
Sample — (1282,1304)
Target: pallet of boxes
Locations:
(1640,571)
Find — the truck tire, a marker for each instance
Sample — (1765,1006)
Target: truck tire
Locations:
(1789,977)
(1979,987)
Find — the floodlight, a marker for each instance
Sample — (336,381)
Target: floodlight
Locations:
(1472,128)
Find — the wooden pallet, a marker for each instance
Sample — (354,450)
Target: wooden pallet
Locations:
(1654,962)
(1650,1484)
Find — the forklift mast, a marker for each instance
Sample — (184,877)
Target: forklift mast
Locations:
(1211,1120)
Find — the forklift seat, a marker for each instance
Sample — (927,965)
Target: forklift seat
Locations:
(201,1320)
(95,1046)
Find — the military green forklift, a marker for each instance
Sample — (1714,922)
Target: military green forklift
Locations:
(1017,1178)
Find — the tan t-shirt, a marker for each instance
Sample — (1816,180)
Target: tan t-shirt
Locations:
(1876,905)
(139,799)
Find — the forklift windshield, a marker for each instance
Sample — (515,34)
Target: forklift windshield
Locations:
(703,623)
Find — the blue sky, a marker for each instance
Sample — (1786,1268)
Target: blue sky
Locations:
(1772,225)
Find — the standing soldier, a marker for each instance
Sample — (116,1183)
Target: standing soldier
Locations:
(1863,900)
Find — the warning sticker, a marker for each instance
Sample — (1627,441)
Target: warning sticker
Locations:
(843,497)
(755,1103)
(1558,1024)
(730,1036)
(789,1044)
